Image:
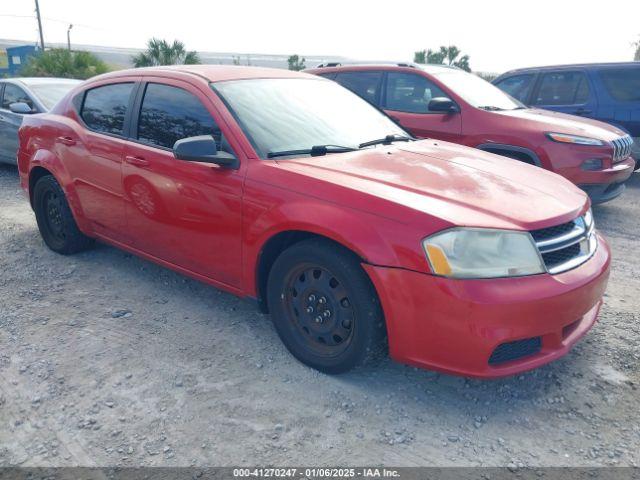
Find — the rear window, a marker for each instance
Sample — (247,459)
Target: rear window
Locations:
(623,84)
(105,108)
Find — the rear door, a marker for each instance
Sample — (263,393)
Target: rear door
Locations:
(10,122)
(568,91)
(406,97)
(93,155)
(186,213)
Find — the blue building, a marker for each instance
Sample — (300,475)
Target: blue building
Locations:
(16,58)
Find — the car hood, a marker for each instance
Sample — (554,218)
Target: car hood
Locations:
(549,121)
(460,185)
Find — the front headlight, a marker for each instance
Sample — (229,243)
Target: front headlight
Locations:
(482,253)
(574,139)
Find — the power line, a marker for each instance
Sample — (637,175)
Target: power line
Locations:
(40,26)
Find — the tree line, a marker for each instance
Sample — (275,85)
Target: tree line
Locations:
(58,62)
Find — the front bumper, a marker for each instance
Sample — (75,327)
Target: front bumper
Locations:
(603,192)
(455,326)
(607,184)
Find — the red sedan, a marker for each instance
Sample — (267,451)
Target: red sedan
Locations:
(288,188)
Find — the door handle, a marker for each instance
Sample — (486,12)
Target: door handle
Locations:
(136,161)
(583,111)
(66,141)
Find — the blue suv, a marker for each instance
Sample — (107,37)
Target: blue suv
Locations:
(609,92)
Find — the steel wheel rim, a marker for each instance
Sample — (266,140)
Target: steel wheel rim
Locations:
(52,206)
(320,309)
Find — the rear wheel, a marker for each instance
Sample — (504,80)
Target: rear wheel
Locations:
(324,307)
(55,220)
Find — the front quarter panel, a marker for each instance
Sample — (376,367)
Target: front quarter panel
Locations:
(277,200)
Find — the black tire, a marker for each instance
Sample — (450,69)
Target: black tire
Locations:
(55,220)
(352,333)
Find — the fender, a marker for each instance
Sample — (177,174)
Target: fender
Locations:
(503,147)
(358,232)
(49,161)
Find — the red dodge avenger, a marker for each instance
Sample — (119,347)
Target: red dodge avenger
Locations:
(289,189)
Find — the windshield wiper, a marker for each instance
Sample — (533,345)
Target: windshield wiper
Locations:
(386,140)
(491,108)
(315,151)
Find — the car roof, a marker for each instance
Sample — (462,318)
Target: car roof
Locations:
(211,73)
(336,67)
(30,81)
(574,65)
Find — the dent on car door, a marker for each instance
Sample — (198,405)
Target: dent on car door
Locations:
(565,91)
(186,213)
(406,97)
(10,122)
(93,156)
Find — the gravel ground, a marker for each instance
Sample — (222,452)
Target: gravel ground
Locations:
(107,359)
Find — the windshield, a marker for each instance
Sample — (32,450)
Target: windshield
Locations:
(50,93)
(476,91)
(284,114)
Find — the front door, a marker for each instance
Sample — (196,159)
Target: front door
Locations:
(406,98)
(186,213)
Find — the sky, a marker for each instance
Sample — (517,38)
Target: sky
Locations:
(497,35)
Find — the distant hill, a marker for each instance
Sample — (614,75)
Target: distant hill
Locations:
(121,57)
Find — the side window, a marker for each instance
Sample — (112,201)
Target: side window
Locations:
(411,93)
(14,94)
(169,114)
(364,84)
(562,88)
(104,108)
(517,86)
(623,84)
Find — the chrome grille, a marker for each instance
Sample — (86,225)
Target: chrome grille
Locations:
(622,148)
(563,247)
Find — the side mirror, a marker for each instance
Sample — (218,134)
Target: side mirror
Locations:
(203,149)
(20,107)
(444,105)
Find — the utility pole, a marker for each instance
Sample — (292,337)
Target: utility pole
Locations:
(69,37)
(40,26)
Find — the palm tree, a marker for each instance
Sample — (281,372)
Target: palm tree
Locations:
(447,55)
(160,52)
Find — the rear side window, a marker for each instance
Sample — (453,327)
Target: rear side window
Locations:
(411,93)
(169,114)
(623,84)
(105,108)
(562,88)
(517,86)
(14,94)
(365,84)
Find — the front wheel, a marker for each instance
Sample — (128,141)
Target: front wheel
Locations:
(55,220)
(324,307)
